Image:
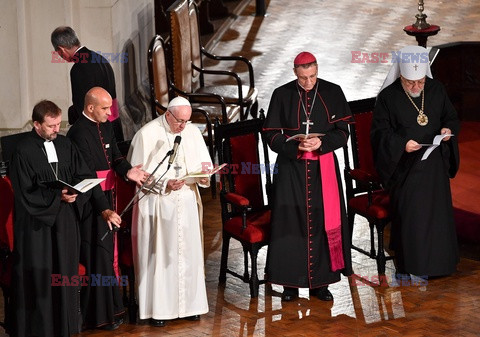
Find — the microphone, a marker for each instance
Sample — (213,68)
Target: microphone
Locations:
(172,154)
(174,151)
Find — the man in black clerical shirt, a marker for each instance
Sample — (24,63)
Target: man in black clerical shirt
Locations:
(90,70)
(93,134)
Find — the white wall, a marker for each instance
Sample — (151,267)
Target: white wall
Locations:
(26,68)
(9,66)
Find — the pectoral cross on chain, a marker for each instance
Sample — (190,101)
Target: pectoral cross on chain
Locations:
(307,123)
(177,169)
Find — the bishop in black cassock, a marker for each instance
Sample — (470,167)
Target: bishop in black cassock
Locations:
(423,228)
(310,240)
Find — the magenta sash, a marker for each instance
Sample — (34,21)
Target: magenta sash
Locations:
(109,182)
(331,206)
(113,110)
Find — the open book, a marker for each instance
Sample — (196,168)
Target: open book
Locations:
(436,142)
(302,136)
(192,177)
(82,187)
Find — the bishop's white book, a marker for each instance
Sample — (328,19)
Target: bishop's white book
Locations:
(302,136)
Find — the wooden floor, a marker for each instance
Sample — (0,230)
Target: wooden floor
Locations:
(331,30)
(442,307)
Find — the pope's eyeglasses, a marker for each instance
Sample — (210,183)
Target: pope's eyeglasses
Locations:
(178,121)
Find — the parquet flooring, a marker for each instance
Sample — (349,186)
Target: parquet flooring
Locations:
(331,30)
(442,307)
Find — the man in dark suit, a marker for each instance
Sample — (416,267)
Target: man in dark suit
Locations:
(90,70)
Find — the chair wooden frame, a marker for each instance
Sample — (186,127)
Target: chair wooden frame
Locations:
(161,89)
(368,198)
(235,205)
(189,72)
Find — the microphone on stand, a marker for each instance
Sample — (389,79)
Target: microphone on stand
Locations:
(172,154)
(177,141)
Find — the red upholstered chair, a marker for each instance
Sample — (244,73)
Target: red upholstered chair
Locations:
(367,198)
(6,216)
(245,211)
(6,235)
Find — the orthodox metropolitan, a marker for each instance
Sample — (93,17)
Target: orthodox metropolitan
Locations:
(410,111)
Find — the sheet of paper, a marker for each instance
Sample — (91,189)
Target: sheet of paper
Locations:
(87,184)
(81,187)
(436,142)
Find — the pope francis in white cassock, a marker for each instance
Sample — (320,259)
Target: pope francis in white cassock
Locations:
(167,236)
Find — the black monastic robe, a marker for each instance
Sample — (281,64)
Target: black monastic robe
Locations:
(423,229)
(98,146)
(298,254)
(47,240)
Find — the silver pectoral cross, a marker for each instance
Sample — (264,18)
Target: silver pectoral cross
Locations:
(177,169)
(307,123)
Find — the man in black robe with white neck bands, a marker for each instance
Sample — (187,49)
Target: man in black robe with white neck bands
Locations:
(411,109)
(47,229)
(310,239)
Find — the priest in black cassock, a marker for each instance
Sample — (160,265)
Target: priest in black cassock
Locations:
(46,230)
(410,111)
(102,306)
(90,69)
(310,239)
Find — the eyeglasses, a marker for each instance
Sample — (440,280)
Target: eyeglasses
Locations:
(178,121)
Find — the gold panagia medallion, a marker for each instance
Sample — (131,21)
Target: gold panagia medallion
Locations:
(422,119)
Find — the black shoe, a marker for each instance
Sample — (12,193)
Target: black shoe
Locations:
(110,327)
(289,294)
(119,320)
(324,294)
(158,322)
(193,318)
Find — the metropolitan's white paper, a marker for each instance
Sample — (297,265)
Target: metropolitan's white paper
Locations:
(436,142)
